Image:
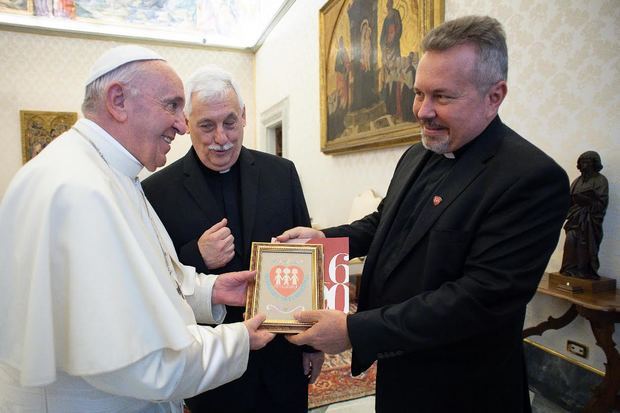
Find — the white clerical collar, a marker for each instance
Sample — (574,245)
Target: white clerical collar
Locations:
(449,155)
(113,152)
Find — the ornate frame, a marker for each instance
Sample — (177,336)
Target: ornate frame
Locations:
(38,129)
(279,296)
(356,96)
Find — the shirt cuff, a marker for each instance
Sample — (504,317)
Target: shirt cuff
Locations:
(204,311)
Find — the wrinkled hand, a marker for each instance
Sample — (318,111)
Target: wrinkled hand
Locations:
(299,232)
(329,333)
(313,363)
(217,245)
(258,338)
(231,288)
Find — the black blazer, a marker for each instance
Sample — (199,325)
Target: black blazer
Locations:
(272,201)
(443,316)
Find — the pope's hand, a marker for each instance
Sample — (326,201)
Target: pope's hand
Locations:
(231,288)
(258,338)
(299,232)
(328,334)
(217,245)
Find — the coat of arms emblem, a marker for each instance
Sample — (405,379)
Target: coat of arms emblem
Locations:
(286,279)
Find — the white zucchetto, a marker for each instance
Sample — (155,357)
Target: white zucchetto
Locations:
(117,57)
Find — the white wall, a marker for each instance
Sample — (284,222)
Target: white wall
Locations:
(47,73)
(564,79)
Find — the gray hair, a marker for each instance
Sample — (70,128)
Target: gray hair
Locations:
(484,32)
(207,83)
(95,90)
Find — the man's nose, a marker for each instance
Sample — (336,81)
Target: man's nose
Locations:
(220,136)
(425,108)
(180,124)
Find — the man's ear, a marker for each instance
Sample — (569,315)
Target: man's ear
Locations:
(115,101)
(243,116)
(496,96)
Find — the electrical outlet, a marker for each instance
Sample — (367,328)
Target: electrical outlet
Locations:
(577,348)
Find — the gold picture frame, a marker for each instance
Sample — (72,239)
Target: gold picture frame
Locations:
(368,55)
(289,279)
(39,128)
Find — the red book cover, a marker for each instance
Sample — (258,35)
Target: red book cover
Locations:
(335,271)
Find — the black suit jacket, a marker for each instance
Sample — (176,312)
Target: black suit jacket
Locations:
(272,201)
(443,315)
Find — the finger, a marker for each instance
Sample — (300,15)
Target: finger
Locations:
(217,226)
(260,338)
(256,321)
(229,241)
(229,255)
(316,370)
(308,316)
(266,337)
(307,363)
(225,245)
(298,339)
(221,234)
(288,234)
(247,275)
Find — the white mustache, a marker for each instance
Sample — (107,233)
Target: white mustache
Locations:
(216,147)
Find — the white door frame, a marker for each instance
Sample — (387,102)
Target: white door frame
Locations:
(271,118)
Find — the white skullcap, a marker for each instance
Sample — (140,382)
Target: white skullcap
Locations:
(118,56)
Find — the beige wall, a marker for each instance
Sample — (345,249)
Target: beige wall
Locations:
(564,79)
(47,72)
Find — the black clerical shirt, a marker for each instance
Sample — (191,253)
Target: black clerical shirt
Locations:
(225,187)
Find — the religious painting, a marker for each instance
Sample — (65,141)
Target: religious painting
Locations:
(16,6)
(289,279)
(215,22)
(40,128)
(368,59)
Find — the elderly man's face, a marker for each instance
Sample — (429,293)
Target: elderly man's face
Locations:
(216,128)
(449,106)
(155,104)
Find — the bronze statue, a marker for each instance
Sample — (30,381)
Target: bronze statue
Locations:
(584,222)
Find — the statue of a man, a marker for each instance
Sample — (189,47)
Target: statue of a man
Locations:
(584,222)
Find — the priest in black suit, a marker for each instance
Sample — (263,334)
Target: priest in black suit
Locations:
(458,245)
(214,202)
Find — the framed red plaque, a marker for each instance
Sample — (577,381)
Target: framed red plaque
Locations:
(289,279)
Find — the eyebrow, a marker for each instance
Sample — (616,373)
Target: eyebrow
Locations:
(177,99)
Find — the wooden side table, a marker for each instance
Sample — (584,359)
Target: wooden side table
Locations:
(602,310)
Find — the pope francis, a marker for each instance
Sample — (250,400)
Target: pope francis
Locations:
(97,314)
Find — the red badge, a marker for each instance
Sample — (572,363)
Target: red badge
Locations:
(437,200)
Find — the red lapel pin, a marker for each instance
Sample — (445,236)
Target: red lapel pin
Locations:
(437,200)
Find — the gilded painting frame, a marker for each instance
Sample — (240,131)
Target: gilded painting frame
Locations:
(24,7)
(289,279)
(368,54)
(39,128)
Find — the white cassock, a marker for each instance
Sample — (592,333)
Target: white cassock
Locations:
(90,316)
